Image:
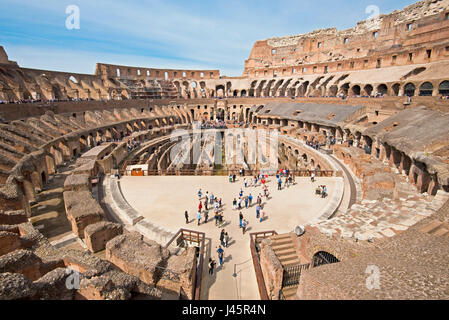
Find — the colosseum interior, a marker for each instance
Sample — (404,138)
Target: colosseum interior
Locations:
(86,165)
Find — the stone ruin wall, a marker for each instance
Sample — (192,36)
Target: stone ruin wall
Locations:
(429,30)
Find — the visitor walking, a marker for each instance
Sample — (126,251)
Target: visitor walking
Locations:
(186,215)
(206,216)
(262,215)
(200,193)
(226,240)
(240,219)
(220,252)
(245,182)
(212,264)
(244,225)
(257,211)
(234,204)
(222,235)
(199,217)
(279,184)
(246,202)
(313,177)
(250,199)
(200,206)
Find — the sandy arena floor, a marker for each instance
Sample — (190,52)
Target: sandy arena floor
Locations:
(163,200)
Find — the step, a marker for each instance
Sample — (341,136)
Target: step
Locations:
(280,247)
(286,252)
(289,292)
(291,257)
(280,242)
(280,236)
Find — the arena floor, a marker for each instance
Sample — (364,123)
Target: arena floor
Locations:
(163,200)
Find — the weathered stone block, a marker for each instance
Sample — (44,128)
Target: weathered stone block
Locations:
(82,210)
(98,234)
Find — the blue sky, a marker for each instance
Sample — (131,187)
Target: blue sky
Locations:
(164,33)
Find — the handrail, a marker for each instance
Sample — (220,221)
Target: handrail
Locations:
(198,237)
(256,262)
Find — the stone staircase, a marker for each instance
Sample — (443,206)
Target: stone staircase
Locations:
(284,249)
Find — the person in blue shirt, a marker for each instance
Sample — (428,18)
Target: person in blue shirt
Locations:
(220,252)
(250,199)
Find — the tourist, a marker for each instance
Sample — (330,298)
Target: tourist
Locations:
(313,177)
(259,200)
(186,215)
(244,225)
(262,215)
(234,204)
(250,199)
(257,211)
(240,203)
(246,202)
(220,219)
(199,217)
(324,193)
(279,184)
(205,205)
(200,206)
(241,193)
(206,216)
(220,203)
(240,219)
(220,252)
(230,178)
(216,207)
(226,240)
(233,178)
(222,235)
(216,218)
(245,182)
(199,194)
(211,198)
(212,264)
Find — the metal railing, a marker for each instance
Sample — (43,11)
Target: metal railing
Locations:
(292,274)
(198,238)
(222,172)
(256,238)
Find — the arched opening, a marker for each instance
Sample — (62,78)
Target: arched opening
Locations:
(426,89)
(356,90)
(382,89)
(368,89)
(396,87)
(333,90)
(344,89)
(443,88)
(243,93)
(44,178)
(409,89)
(322,258)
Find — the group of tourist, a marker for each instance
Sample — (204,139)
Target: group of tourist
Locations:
(132,145)
(209,201)
(289,178)
(321,191)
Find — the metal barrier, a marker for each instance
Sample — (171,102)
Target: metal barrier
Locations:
(292,274)
(226,172)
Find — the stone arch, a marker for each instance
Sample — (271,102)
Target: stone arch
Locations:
(323,257)
(426,89)
(409,89)
(355,90)
(382,89)
(443,88)
(396,87)
(368,89)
